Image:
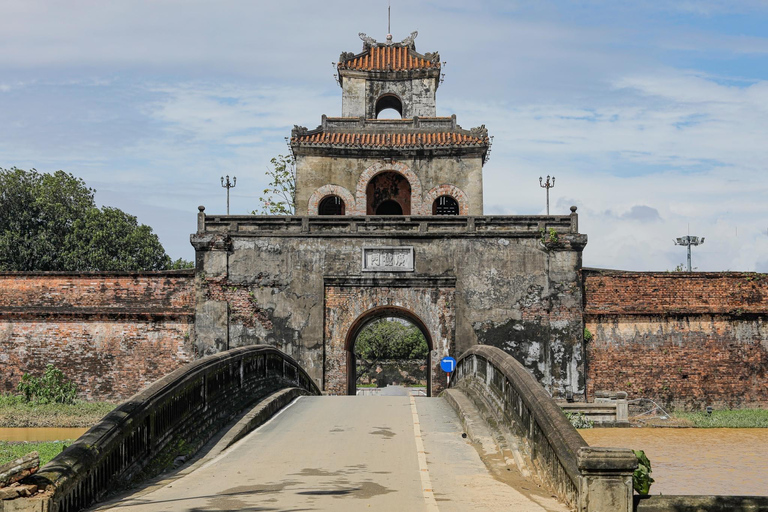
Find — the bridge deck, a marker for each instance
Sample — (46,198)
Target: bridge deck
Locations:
(347,453)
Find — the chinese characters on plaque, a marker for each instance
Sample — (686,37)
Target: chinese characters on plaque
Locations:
(388,259)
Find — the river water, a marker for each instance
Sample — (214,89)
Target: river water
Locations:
(40,434)
(726,461)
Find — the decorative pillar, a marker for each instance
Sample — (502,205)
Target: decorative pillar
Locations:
(605,483)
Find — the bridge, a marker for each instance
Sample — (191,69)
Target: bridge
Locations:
(251,431)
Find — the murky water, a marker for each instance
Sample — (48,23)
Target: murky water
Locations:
(727,461)
(40,434)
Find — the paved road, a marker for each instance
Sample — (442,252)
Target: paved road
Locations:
(393,453)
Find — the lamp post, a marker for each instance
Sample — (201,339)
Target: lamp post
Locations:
(228,185)
(688,241)
(547,186)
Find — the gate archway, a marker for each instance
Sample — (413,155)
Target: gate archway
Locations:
(352,302)
(376,314)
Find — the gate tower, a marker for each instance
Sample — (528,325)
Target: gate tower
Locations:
(389,222)
(419,164)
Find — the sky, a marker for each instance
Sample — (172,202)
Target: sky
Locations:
(651,115)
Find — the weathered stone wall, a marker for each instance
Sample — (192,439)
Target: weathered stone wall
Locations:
(351,176)
(270,281)
(417,96)
(112,333)
(685,339)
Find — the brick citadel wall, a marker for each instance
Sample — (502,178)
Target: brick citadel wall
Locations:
(112,333)
(687,340)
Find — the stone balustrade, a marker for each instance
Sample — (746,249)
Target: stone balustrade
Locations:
(592,479)
(179,412)
(527,226)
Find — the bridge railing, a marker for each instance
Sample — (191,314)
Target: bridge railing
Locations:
(590,478)
(178,413)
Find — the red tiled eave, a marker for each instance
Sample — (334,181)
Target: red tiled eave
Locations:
(394,140)
(388,58)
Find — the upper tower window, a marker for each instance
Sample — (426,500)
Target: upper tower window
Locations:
(331,205)
(388,103)
(445,205)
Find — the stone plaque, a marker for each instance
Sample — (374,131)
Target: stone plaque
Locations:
(387,259)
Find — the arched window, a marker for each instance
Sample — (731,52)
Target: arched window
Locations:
(445,205)
(388,193)
(331,205)
(389,102)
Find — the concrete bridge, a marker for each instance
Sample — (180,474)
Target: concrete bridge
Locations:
(266,439)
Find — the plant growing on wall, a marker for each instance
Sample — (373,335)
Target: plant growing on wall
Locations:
(549,237)
(579,420)
(51,388)
(641,478)
(280,195)
(587,335)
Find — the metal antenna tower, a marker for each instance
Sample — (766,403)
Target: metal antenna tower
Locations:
(688,241)
(547,186)
(228,186)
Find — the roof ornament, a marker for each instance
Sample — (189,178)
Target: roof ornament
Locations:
(367,40)
(408,41)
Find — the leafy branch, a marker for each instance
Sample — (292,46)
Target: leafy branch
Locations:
(280,195)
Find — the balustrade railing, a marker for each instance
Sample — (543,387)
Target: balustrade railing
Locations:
(185,408)
(589,478)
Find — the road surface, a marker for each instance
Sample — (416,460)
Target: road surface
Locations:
(346,453)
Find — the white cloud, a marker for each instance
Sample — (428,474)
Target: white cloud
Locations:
(151,102)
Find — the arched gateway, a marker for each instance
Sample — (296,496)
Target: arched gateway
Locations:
(377,314)
(389,219)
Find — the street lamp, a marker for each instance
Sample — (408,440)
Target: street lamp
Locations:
(547,186)
(228,185)
(688,241)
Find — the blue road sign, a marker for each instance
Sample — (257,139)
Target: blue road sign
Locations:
(448,364)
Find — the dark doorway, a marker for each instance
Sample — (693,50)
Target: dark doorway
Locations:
(445,205)
(331,205)
(389,207)
(391,191)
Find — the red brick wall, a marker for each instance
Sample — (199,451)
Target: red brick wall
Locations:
(112,333)
(688,340)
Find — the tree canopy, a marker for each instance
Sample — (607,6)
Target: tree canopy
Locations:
(51,222)
(390,339)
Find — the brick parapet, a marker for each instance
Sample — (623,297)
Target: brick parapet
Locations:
(674,293)
(97,293)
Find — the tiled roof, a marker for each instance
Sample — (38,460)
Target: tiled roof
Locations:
(388,58)
(392,140)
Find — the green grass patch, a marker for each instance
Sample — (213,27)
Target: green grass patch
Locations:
(736,418)
(46,450)
(15,412)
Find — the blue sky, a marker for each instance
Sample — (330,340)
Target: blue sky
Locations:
(651,115)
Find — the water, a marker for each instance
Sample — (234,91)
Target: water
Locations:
(725,461)
(40,434)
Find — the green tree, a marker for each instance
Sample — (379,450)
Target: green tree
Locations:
(110,239)
(388,339)
(280,195)
(51,222)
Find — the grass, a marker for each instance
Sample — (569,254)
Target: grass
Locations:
(47,450)
(14,412)
(736,418)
